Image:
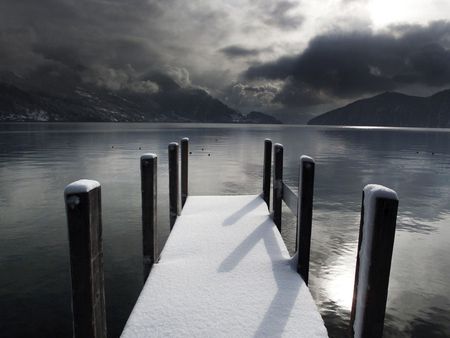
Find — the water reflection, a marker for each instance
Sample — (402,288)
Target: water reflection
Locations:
(38,160)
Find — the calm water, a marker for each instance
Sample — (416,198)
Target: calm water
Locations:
(38,160)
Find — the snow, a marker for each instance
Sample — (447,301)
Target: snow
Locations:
(225,272)
(305,158)
(371,193)
(40,115)
(81,186)
(148,156)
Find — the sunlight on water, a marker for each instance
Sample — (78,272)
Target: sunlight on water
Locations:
(339,286)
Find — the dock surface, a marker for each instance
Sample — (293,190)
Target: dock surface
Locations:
(225,272)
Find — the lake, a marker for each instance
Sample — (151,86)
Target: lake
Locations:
(38,160)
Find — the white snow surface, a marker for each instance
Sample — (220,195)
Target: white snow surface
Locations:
(148,156)
(371,193)
(225,272)
(305,158)
(81,186)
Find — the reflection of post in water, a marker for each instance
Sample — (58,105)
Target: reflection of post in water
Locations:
(173,183)
(184,169)
(267,170)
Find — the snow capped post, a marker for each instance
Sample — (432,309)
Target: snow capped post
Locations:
(267,170)
(149,164)
(184,169)
(304,214)
(173,182)
(373,263)
(83,209)
(277,183)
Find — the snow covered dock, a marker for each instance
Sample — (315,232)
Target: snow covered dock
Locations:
(225,272)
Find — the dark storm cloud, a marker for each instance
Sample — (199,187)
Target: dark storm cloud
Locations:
(63,30)
(238,51)
(346,65)
(204,43)
(95,39)
(71,39)
(235,51)
(112,42)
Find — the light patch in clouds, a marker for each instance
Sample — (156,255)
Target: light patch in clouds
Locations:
(387,12)
(253,95)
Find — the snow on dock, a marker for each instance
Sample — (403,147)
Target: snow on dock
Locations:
(225,272)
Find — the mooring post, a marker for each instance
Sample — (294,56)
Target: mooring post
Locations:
(277,183)
(184,169)
(83,210)
(373,262)
(304,215)
(173,182)
(267,170)
(149,165)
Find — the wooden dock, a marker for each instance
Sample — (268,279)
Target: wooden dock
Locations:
(225,270)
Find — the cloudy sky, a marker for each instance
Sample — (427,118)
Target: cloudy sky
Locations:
(298,57)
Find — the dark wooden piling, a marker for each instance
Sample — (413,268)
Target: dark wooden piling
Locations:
(267,170)
(277,184)
(184,169)
(373,264)
(83,209)
(149,164)
(173,183)
(304,214)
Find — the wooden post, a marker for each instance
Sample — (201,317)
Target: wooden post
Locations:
(373,263)
(277,183)
(149,165)
(184,169)
(173,182)
(267,170)
(83,209)
(304,214)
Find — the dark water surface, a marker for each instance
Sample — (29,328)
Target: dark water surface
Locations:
(38,160)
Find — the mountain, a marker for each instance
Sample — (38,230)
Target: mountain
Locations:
(258,117)
(23,100)
(392,109)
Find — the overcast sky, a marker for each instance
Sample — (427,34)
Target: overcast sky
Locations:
(297,56)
